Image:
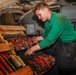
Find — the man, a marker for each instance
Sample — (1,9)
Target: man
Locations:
(58,34)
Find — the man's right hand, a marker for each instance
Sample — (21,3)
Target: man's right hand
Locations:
(35,40)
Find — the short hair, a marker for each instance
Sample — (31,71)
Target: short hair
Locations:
(40,5)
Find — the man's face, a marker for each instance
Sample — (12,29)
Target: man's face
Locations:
(41,14)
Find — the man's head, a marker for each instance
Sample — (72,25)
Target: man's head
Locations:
(42,11)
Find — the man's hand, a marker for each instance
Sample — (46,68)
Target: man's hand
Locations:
(29,52)
(32,49)
(35,40)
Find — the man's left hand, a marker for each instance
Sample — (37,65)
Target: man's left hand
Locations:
(29,52)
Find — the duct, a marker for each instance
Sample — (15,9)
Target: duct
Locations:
(30,18)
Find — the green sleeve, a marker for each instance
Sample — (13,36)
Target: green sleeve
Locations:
(56,30)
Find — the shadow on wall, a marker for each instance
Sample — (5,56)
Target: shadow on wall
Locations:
(5,21)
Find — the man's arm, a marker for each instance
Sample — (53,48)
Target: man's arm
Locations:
(32,50)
